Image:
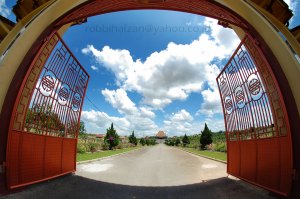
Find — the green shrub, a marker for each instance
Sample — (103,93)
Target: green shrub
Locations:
(143,141)
(206,137)
(151,142)
(185,140)
(132,139)
(81,148)
(120,146)
(92,147)
(105,146)
(111,137)
(220,146)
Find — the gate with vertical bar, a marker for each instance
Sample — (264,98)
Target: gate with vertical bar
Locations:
(45,122)
(257,126)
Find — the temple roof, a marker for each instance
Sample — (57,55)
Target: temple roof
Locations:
(161,134)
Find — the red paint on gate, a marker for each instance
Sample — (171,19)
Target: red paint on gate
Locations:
(257,126)
(207,8)
(45,122)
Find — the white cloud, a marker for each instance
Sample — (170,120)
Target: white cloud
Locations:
(117,61)
(212,103)
(95,68)
(182,116)
(179,123)
(98,122)
(4,10)
(173,73)
(292,5)
(147,112)
(222,36)
(119,100)
(182,122)
(138,119)
(213,124)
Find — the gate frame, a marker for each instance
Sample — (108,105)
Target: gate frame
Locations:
(64,7)
(16,104)
(263,79)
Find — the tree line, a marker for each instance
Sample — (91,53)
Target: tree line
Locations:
(111,140)
(203,140)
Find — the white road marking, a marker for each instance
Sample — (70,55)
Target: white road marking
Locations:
(209,166)
(94,168)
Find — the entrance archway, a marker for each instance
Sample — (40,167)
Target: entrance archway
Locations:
(53,16)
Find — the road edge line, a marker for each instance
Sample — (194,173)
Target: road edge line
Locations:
(224,162)
(93,160)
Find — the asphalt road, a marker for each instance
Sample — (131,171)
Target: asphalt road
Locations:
(152,172)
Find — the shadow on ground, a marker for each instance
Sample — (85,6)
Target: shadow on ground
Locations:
(73,186)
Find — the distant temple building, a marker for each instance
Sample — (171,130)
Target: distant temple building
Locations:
(161,135)
(100,136)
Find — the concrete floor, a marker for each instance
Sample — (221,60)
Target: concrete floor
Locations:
(152,172)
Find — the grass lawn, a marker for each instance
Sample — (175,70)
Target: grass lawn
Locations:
(212,154)
(96,155)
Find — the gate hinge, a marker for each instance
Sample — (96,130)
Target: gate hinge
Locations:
(295,174)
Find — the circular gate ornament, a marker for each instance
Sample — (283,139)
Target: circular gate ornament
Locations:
(76,102)
(254,86)
(239,97)
(63,94)
(228,104)
(47,84)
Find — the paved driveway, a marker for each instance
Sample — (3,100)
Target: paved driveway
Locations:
(152,172)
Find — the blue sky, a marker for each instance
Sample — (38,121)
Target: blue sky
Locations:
(151,70)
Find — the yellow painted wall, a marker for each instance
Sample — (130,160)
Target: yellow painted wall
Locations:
(15,55)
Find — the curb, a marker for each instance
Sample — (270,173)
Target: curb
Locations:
(94,160)
(224,162)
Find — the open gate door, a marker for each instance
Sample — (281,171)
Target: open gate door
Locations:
(257,126)
(45,122)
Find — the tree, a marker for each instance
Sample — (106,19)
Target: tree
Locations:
(82,132)
(177,142)
(82,129)
(206,137)
(132,139)
(148,142)
(142,141)
(111,137)
(185,140)
(41,119)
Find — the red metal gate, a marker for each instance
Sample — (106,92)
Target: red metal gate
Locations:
(45,122)
(257,127)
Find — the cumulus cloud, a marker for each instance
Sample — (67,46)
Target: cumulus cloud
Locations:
(178,123)
(173,73)
(212,103)
(139,119)
(100,121)
(4,10)
(147,112)
(292,5)
(222,36)
(182,122)
(95,68)
(119,100)
(170,74)
(182,116)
